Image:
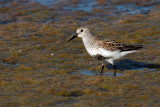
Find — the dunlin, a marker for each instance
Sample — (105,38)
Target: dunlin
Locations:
(102,48)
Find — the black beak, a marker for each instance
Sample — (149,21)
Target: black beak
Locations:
(74,36)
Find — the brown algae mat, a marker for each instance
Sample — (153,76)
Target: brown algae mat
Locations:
(39,68)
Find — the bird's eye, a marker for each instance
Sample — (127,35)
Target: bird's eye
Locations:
(81,30)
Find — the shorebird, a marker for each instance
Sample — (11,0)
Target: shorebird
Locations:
(103,48)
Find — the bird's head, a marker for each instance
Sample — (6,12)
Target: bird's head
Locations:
(81,32)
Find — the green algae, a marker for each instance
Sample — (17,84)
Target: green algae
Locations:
(40,68)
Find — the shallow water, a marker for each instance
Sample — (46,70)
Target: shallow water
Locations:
(38,67)
(89,5)
(106,73)
(46,2)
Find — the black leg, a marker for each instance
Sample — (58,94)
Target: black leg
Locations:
(102,68)
(114,70)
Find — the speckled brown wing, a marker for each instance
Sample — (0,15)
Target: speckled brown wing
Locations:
(111,45)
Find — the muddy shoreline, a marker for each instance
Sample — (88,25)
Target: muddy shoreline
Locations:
(38,67)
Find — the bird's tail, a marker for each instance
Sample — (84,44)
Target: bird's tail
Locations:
(131,47)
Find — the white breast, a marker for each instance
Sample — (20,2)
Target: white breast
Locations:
(93,50)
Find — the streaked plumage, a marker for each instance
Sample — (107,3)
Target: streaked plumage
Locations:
(104,49)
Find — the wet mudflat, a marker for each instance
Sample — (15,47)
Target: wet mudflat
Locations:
(38,67)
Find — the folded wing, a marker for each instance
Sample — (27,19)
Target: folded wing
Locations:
(114,45)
